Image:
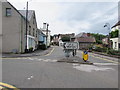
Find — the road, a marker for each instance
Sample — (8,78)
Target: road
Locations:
(46,72)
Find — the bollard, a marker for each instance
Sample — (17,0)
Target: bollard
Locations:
(85,55)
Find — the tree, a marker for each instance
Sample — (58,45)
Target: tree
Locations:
(51,38)
(98,37)
(114,34)
(65,39)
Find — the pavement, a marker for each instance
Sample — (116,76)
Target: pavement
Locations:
(35,53)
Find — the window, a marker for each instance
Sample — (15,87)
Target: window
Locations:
(115,44)
(8,12)
(33,32)
(29,30)
(34,19)
(36,33)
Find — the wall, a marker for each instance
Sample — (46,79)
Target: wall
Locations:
(0,27)
(0,41)
(34,39)
(11,29)
(117,40)
(84,45)
(48,38)
(22,35)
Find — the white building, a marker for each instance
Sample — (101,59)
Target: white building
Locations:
(116,40)
(47,33)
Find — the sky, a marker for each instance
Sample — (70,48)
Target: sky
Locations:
(73,16)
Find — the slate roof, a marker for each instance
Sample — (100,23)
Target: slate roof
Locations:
(30,13)
(81,35)
(118,23)
(86,39)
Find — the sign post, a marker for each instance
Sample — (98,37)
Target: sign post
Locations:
(70,47)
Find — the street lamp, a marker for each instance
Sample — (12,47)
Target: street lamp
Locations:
(108,26)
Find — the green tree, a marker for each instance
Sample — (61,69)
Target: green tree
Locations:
(98,37)
(51,38)
(65,39)
(114,34)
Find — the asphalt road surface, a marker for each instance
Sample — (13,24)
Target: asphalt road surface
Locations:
(46,72)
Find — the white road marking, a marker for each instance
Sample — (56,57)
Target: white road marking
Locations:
(105,64)
(30,77)
(30,58)
(40,59)
(45,60)
(91,68)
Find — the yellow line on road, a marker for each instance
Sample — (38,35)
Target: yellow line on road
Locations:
(105,59)
(13,58)
(8,86)
(50,52)
(1,87)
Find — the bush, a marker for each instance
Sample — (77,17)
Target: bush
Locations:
(65,39)
(114,52)
(101,49)
(31,49)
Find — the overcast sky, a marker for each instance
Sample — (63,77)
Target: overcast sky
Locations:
(73,16)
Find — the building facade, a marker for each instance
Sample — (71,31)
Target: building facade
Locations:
(42,37)
(32,31)
(0,27)
(85,40)
(47,33)
(57,38)
(116,40)
(13,27)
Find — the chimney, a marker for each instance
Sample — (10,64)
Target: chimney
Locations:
(45,26)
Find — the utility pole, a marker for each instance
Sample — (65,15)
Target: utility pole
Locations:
(47,34)
(26,50)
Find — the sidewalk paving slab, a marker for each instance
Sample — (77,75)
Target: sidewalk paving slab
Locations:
(35,53)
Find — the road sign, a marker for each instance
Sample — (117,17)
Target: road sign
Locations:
(71,45)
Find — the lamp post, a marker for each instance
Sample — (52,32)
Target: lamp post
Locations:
(108,26)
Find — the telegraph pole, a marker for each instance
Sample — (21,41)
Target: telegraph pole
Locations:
(47,34)
(26,50)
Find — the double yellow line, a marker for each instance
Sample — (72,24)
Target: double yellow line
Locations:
(28,57)
(4,86)
(50,52)
(105,59)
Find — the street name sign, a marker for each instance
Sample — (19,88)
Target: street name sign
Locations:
(71,45)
